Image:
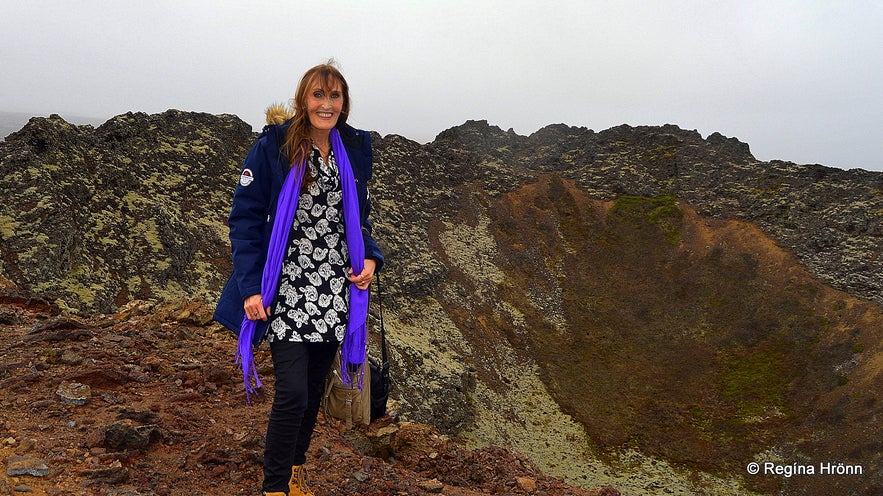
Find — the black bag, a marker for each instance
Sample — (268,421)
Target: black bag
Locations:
(380,378)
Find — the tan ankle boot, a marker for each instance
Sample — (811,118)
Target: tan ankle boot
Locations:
(297,486)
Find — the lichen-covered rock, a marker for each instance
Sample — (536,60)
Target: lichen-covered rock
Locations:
(564,292)
(134,209)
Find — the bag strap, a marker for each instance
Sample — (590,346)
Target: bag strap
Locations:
(383,358)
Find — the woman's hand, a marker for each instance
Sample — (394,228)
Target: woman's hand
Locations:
(363,280)
(254,308)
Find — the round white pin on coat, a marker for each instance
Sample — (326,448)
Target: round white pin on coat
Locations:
(246,178)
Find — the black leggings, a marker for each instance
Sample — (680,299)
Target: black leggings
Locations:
(300,370)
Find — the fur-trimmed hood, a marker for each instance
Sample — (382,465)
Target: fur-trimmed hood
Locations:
(278,114)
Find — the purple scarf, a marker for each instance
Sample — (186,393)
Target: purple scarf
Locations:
(355,342)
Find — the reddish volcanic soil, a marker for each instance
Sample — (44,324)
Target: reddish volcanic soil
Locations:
(163,413)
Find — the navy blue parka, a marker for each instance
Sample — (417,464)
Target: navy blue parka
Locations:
(254,208)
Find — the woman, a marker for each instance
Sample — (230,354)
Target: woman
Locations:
(303,258)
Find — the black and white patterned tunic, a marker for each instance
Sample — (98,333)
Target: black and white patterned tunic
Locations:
(313,300)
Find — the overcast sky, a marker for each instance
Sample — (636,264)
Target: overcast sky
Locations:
(797,80)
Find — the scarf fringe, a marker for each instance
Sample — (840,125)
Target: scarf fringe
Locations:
(351,359)
(346,376)
(245,360)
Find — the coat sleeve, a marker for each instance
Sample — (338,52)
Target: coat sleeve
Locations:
(249,217)
(372,250)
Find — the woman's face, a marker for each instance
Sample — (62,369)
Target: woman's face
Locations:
(324,104)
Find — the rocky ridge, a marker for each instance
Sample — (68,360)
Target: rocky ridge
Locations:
(95,218)
(635,249)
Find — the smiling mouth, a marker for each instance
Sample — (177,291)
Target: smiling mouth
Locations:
(326,115)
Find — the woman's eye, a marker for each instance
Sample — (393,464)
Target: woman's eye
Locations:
(335,95)
(317,94)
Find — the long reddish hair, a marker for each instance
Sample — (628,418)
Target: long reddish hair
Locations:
(297,142)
